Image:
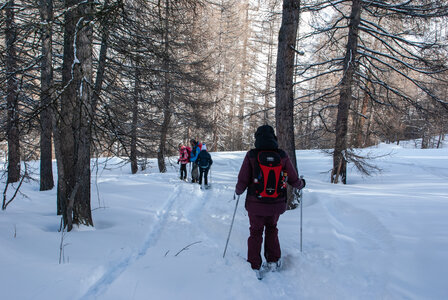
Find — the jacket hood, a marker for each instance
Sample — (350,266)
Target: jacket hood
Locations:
(265,138)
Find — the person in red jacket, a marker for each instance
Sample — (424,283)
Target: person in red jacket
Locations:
(183,160)
(264,212)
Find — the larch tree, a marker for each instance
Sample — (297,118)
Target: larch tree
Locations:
(75,120)
(12,94)
(284,94)
(374,51)
(349,67)
(46,95)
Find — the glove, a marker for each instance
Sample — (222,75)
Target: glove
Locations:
(303,184)
(177,162)
(296,192)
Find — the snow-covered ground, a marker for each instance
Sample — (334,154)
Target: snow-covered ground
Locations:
(156,237)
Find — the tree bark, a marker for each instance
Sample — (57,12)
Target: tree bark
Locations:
(66,144)
(284,95)
(46,115)
(361,122)
(269,70)
(167,96)
(76,117)
(243,80)
(345,96)
(162,145)
(133,158)
(101,62)
(82,214)
(12,97)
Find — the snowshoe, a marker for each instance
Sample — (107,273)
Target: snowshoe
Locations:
(274,266)
(259,273)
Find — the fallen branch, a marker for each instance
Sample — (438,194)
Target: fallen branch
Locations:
(186,247)
(6,202)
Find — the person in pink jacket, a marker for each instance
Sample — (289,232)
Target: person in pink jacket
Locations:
(264,210)
(183,160)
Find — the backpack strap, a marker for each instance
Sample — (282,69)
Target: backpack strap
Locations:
(253,153)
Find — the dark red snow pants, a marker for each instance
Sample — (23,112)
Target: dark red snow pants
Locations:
(272,252)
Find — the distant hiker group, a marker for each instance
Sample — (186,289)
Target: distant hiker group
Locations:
(200,160)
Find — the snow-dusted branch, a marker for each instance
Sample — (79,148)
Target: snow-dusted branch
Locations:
(425,10)
(7,202)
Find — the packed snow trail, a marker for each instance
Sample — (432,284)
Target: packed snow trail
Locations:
(341,241)
(182,215)
(112,272)
(201,219)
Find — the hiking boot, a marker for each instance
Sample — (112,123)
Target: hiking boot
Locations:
(258,273)
(274,266)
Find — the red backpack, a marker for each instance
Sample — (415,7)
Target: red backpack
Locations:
(269,178)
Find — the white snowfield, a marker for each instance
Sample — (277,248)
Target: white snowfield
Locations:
(156,237)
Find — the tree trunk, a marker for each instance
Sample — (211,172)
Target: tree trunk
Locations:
(101,62)
(82,214)
(345,96)
(361,122)
(267,89)
(134,163)
(12,97)
(439,140)
(46,115)
(165,126)
(167,96)
(76,112)
(232,117)
(243,80)
(162,145)
(284,94)
(64,135)
(366,141)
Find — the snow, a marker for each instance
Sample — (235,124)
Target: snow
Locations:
(156,237)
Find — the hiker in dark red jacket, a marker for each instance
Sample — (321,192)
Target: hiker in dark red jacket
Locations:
(263,212)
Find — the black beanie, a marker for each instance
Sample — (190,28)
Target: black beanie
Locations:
(265,138)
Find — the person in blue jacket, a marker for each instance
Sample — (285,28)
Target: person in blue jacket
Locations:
(195,149)
(204,161)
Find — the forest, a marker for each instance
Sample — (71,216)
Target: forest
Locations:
(83,79)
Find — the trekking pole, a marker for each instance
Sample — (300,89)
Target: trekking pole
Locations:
(231,225)
(191,169)
(301,215)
